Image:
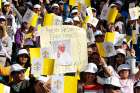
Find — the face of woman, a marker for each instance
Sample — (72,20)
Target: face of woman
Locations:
(7,8)
(2,22)
(120,59)
(90,77)
(23,59)
(124,74)
(19,76)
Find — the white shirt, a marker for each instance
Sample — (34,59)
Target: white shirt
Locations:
(63,58)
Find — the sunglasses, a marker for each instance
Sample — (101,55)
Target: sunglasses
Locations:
(24,55)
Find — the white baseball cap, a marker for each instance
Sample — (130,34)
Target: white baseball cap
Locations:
(68,20)
(113,81)
(55,5)
(23,51)
(37,6)
(6,3)
(98,32)
(121,51)
(76,18)
(74,11)
(123,67)
(92,68)
(2,17)
(16,67)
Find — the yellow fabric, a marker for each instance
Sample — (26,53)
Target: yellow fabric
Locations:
(87,2)
(48,19)
(5,71)
(70,84)
(1,88)
(113,12)
(72,2)
(0,4)
(134,39)
(34,53)
(110,37)
(101,49)
(34,19)
(48,66)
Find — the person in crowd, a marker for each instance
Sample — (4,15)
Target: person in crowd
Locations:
(89,83)
(37,9)
(11,22)
(68,21)
(99,36)
(126,79)
(20,34)
(77,21)
(23,58)
(112,86)
(30,38)
(55,9)
(19,84)
(119,58)
(5,40)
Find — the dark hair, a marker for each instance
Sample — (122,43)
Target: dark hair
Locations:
(23,25)
(27,64)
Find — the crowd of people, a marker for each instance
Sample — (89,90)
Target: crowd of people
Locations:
(116,74)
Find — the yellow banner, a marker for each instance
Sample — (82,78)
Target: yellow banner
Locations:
(134,38)
(34,19)
(34,53)
(68,88)
(101,49)
(110,37)
(72,2)
(1,88)
(48,19)
(48,66)
(87,2)
(0,4)
(113,12)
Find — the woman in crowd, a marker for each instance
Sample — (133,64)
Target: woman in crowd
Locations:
(89,83)
(126,79)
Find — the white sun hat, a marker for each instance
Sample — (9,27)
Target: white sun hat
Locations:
(6,3)
(113,81)
(37,6)
(55,5)
(74,11)
(68,20)
(16,67)
(23,51)
(124,67)
(121,51)
(92,68)
(98,32)
(76,18)
(2,17)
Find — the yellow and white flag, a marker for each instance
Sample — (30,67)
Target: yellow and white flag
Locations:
(106,49)
(4,88)
(52,19)
(30,17)
(112,14)
(61,84)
